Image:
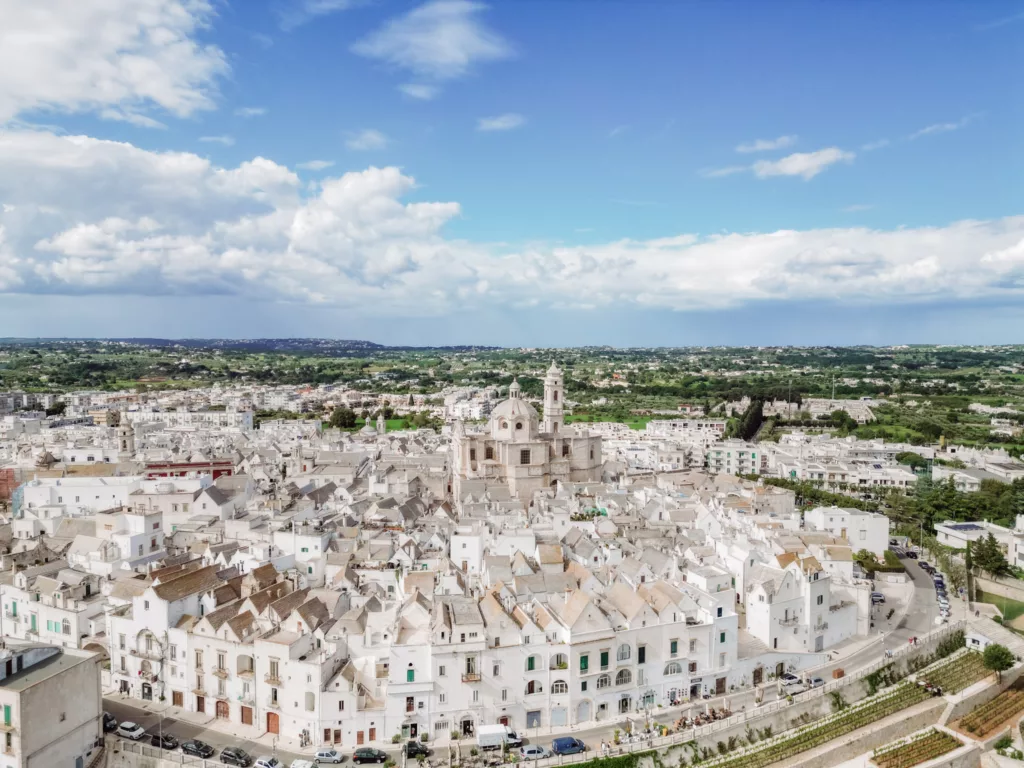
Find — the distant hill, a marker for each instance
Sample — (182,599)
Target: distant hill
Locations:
(308,346)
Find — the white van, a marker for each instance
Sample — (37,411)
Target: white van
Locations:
(496,736)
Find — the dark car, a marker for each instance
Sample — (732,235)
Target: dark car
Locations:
(414,749)
(567,745)
(235,756)
(198,748)
(164,741)
(369,755)
(912,554)
(109,723)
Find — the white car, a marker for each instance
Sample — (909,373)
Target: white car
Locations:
(130,730)
(534,752)
(267,762)
(300,763)
(328,756)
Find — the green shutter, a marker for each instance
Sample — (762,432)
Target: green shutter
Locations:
(584,663)
(674,647)
(410,675)
(7,714)
(604,659)
(14,608)
(529,664)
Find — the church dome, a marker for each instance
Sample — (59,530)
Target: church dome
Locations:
(514,408)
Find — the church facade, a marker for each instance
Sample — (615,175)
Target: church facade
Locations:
(520,451)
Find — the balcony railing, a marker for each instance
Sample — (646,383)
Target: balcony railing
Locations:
(272,678)
(246,698)
(246,674)
(199,690)
(792,621)
(273,703)
(153,655)
(221,672)
(471,677)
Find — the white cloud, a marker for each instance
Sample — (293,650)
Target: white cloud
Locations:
(729,170)
(143,121)
(295,13)
(764,145)
(928,130)
(227,141)
(440,40)
(858,207)
(315,165)
(804,164)
(873,145)
(107,217)
(124,56)
(505,122)
(366,139)
(419,91)
(251,111)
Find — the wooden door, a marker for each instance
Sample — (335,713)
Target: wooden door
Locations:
(758,675)
(201,704)
(273,723)
(720,686)
(223,712)
(177,699)
(359,738)
(373,734)
(246,715)
(327,735)
(337,735)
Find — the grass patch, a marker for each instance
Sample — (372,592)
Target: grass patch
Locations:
(633,422)
(1011,608)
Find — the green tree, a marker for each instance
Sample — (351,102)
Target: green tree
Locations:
(998,658)
(988,556)
(345,418)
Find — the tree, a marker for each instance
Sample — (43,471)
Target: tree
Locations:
(998,658)
(988,556)
(345,418)
(57,409)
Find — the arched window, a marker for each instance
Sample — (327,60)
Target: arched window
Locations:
(559,686)
(673,668)
(559,661)
(503,424)
(624,653)
(555,396)
(604,681)
(624,677)
(519,425)
(534,686)
(66,627)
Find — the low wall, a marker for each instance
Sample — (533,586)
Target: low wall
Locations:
(870,737)
(985,694)
(123,754)
(968,756)
(1008,588)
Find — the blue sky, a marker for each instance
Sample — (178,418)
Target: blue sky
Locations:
(520,172)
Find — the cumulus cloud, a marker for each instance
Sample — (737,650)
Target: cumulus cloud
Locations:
(251,111)
(225,140)
(419,91)
(764,145)
(315,165)
(440,40)
(95,216)
(121,58)
(366,140)
(929,130)
(804,164)
(504,122)
(295,13)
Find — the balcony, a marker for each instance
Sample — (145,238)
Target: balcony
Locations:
(221,672)
(272,678)
(199,690)
(792,621)
(152,655)
(149,677)
(8,728)
(471,677)
(273,702)
(246,674)
(821,627)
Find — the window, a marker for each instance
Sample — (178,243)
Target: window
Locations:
(472,454)
(693,645)
(719,612)
(199,661)
(533,687)
(559,686)
(440,671)
(584,662)
(821,599)
(604,659)
(496,670)
(693,667)
(174,651)
(488,453)
(442,698)
(410,675)
(673,648)
(504,694)
(145,604)
(531,663)
(583,686)
(519,425)
(624,677)
(565,449)
(66,627)
(524,456)
(673,668)
(624,653)
(603,682)
(476,695)
(410,704)
(721,637)
(591,453)
(310,701)
(721,660)
(341,706)
(641,654)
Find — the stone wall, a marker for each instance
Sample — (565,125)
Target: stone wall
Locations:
(979,694)
(1009,588)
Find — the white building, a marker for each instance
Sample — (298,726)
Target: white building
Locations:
(864,530)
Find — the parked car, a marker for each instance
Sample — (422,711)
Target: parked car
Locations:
(924,565)
(817,682)
(912,554)
(567,745)
(414,749)
(328,756)
(235,756)
(788,678)
(301,763)
(130,730)
(263,761)
(109,723)
(164,741)
(534,752)
(198,748)
(368,755)
(877,598)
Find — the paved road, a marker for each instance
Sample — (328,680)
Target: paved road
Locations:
(918,620)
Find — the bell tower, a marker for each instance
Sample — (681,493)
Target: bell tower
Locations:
(554,394)
(125,440)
